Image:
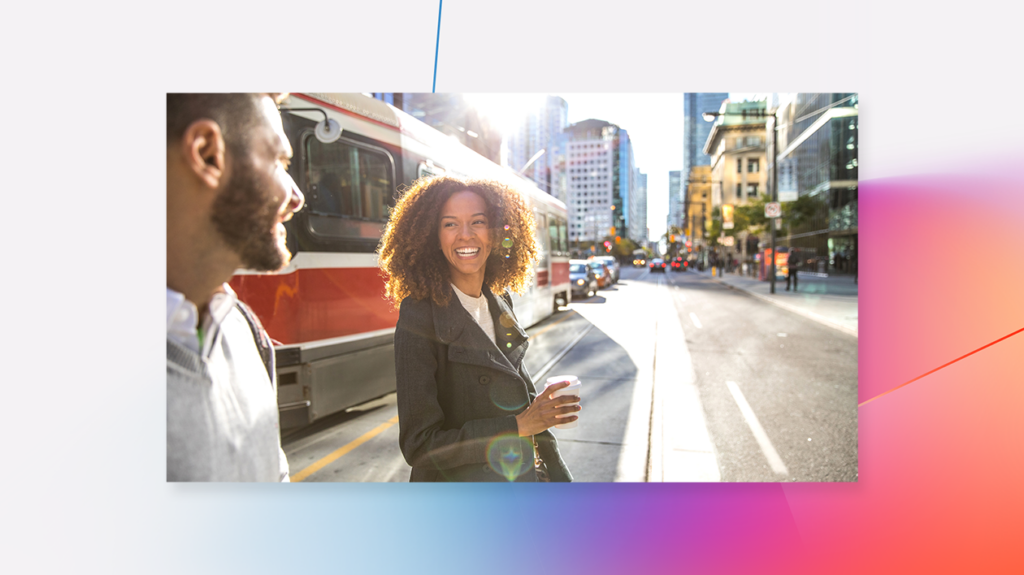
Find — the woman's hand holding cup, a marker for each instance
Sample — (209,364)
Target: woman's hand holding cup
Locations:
(545,411)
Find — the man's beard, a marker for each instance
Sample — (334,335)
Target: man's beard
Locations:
(245,216)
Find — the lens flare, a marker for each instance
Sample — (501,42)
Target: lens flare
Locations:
(507,321)
(507,398)
(506,243)
(510,456)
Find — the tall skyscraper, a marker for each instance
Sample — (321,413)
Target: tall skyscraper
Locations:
(540,130)
(637,223)
(695,135)
(675,197)
(599,164)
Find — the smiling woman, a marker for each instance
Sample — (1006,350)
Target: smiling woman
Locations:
(467,407)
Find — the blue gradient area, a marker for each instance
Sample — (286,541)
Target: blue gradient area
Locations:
(476,528)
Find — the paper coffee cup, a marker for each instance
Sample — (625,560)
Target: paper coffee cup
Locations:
(572,389)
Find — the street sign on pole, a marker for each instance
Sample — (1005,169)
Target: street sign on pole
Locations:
(773,210)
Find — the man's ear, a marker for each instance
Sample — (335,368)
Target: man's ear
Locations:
(203,149)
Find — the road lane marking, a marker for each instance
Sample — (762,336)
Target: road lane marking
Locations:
(755,426)
(337,453)
(696,322)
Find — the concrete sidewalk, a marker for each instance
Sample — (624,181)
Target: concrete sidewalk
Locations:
(830,300)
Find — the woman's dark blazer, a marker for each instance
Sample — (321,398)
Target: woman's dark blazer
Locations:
(458,395)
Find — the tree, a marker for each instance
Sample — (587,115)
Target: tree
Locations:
(803,210)
(676,233)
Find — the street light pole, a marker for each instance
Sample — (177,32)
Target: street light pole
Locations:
(775,186)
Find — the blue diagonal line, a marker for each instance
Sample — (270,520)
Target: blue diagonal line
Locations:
(437,44)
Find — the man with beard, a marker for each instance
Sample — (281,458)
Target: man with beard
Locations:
(228,193)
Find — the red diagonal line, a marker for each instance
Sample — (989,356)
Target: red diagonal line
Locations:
(941,366)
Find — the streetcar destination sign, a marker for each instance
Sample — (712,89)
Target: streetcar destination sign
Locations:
(772,210)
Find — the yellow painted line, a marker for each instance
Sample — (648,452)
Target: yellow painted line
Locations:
(567,316)
(334,455)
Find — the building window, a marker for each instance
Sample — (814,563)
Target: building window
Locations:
(752,190)
(752,166)
(739,190)
(739,166)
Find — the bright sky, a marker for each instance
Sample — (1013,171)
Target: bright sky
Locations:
(654,123)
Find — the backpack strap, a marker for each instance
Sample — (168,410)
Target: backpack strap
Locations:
(262,340)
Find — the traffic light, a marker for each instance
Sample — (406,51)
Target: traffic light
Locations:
(671,238)
(618,239)
(607,246)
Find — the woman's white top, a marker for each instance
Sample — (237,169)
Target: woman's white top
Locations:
(479,311)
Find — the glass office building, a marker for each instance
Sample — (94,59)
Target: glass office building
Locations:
(817,164)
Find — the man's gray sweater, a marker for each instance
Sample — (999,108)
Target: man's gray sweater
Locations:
(222,421)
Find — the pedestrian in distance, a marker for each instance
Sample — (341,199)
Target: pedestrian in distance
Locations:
(467,406)
(228,193)
(792,262)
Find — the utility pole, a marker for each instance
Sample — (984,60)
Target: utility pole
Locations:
(775,191)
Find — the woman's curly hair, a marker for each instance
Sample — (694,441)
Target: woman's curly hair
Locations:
(410,254)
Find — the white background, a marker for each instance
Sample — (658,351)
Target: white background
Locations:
(83,136)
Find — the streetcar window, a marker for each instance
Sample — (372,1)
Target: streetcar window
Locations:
(542,240)
(563,235)
(347,181)
(553,223)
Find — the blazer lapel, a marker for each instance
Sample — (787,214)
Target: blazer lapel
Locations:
(511,338)
(466,341)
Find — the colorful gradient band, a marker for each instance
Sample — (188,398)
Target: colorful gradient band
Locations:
(941,459)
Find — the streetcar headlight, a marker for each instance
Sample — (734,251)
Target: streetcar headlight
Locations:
(579,282)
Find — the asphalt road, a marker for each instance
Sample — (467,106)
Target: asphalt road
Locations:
(798,377)
(777,391)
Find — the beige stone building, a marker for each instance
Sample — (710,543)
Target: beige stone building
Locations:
(698,203)
(736,146)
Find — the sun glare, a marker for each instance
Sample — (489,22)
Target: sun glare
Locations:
(506,110)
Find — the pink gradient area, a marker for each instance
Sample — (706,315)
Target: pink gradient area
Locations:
(666,529)
(940,488)
(940,459)
(941,271)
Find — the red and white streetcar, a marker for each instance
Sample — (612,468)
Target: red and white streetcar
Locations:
(327,308)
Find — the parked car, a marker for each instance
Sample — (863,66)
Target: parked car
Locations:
(604,275)
(613,265)
(582,278)
(657,265)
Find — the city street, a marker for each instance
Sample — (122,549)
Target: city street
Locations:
(684,379)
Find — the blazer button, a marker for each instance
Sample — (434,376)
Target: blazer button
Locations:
(485,379)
